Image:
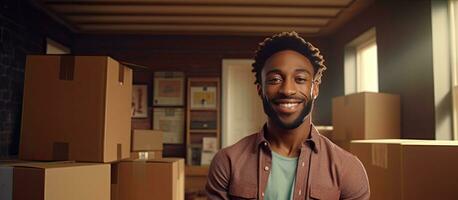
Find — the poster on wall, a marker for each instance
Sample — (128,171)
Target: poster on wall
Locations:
(171,122)
(168,89)
(209,144)
(139,101)
(203,97)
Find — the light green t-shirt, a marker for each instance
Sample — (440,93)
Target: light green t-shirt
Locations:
(280,185)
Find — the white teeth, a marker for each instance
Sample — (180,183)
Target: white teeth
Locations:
(288,105)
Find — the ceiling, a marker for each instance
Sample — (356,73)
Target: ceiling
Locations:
(206,17)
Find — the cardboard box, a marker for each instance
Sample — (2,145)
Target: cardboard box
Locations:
(55,181)
(196,179)
(147,140)
(76,108)
(366,115)
(153,179)
(146,155)
(409,169)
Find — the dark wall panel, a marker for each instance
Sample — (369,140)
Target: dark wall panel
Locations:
(23,30)
(404,42)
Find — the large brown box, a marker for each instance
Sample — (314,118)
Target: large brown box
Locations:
(147,140)
(55,181)
(76,108)
(152,179)
(365,115)
(409,169)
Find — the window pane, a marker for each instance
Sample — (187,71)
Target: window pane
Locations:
(367,67)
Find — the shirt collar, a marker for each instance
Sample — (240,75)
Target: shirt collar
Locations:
(314,138)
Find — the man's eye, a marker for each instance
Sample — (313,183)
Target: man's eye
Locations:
(274,80)
(301,80)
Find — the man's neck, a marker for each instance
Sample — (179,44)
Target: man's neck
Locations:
(287,142)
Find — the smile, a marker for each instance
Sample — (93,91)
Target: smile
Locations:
(288,105)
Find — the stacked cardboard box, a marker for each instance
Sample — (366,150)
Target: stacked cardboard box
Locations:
(148,179)
(409,169)
(196,179)
(54,181)
(147,144)
(365,115)
(76,108)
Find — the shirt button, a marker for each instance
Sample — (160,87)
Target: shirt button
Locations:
(266,168)
(265,143)
(303,164)
(262,194)
(300,192)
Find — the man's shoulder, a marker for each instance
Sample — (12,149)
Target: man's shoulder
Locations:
(352,176)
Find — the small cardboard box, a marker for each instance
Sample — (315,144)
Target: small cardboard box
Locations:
(55,181)
(76,108)
(409,169)
(196,179)
(147,140)
(152,179)
(366,115)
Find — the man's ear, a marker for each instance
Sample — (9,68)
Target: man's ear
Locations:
(316,90)
(259,89)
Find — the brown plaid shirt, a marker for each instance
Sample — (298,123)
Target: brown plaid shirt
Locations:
(324,171)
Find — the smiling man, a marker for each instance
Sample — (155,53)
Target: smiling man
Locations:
(288,158)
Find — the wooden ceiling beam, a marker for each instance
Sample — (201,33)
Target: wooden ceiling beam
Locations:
(195,10)
(200,20)
(197,28)
(296,3)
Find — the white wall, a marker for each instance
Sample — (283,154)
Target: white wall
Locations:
(442,70)
(242,112)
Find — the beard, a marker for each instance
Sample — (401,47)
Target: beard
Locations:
(270,112)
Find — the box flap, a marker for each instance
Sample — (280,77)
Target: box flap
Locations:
(384,141)
(408,142)
(50,165)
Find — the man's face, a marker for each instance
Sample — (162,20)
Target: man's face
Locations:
(286,88)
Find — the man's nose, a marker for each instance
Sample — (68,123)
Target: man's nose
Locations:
(288,88)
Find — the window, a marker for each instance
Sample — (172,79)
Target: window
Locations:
(361,67)
(366,67)
(453,20)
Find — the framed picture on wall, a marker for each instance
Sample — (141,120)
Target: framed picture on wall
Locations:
(139,101)
(168,89)
(171,122)
(203,97)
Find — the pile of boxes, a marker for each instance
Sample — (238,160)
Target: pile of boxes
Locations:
(146,175)
(76,136)
(368,125)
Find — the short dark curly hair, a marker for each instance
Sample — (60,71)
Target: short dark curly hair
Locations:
(287,41)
